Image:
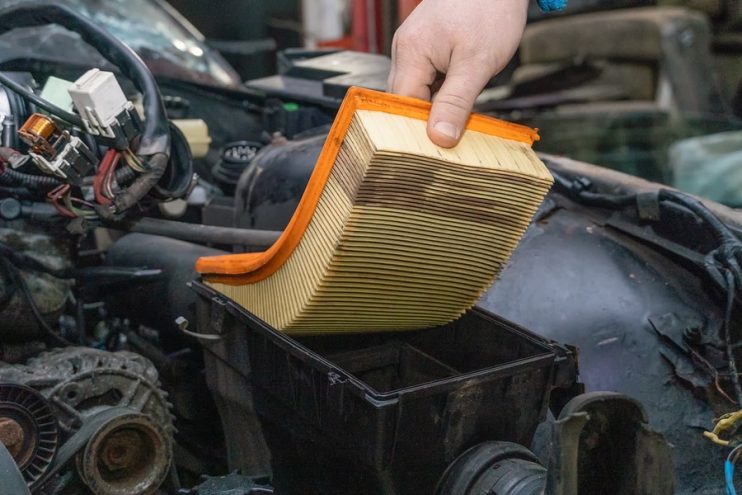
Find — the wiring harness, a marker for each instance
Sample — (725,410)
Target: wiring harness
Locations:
(132,162)
(722,264)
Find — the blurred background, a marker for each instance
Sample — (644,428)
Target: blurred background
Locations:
(651,88)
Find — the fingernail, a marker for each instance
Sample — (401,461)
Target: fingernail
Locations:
(447,129)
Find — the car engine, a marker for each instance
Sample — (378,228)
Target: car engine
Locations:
(122,161)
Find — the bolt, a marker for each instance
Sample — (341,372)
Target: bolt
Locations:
(120,450)
(11,435)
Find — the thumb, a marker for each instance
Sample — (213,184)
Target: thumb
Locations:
(453,103)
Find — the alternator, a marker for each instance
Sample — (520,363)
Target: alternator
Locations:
(79,383)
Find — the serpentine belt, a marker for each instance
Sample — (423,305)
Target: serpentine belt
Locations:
(11,478)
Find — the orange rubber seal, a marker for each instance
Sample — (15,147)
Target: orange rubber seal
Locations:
(246,268)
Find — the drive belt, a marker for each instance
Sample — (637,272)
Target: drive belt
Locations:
(11,478)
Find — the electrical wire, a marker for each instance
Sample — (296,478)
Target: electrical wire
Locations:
(68,201)
(723,264)
(40,102)
(133,161)
(729,466)
(125,176)
(26,262)
(55,195)
(155,142)
(20,282)
(106,164)
(82,202)
(108,179)
(156,135)
(8,287)
(731,360)
(143,184)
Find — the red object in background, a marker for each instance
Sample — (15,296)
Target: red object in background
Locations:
(368,30)
(406,7)
(345,43)
(367,26)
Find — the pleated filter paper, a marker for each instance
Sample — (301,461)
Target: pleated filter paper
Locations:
(393,232)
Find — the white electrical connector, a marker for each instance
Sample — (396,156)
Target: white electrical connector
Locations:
(101,103)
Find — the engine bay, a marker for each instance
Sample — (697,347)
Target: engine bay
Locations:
(121,374)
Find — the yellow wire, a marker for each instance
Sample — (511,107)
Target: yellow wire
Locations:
(67,200)
(724,423)
(133,161)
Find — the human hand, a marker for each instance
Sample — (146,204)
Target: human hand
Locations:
(449,50)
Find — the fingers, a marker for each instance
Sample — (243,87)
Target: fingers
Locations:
(453,103)
(390,79)
(412,72)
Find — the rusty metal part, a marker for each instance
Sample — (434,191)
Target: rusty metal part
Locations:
(40,133)
(129,454)
(11,435)
(28,430)
(76,443)
(80,381)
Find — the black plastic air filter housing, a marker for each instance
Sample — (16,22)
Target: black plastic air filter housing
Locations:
(375,413)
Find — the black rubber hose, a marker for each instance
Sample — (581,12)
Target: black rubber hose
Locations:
(176,182)
(173,182)
(722,232)
(125,176)
(156,136)
(13,178)
(577,190)
(142,184)
(202,234)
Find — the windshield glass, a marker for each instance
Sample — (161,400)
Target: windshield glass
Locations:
(168,44)
(699,154)
(666,106)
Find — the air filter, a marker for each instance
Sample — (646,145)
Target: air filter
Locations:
(392,232)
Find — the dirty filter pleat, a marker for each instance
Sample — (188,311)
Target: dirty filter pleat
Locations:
(405,234)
